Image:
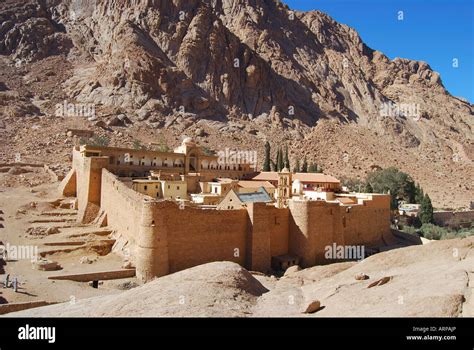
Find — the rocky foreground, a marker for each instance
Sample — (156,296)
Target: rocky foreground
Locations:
(435,279)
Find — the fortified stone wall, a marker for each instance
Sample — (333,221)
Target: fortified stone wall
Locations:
(123,207)
(314,225)
(454,219)
(197,236)
(364,224)
(164,238)
(171,239)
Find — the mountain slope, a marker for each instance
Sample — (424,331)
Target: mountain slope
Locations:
(241,70)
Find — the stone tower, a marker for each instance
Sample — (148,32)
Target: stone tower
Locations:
(284,188)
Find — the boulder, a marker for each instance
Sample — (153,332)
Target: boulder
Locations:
(46,265)
(311,307)
(361,277)
(52,230)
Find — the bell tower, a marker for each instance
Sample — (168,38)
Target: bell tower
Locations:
(284,188)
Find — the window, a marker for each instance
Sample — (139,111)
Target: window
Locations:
(169,187)
(215,189)
(177,187)
(146,187)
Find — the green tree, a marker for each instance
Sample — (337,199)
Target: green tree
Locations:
(368,188)
(273,165)
(399,184)
(280,162)
(426,210)
(277,160)
(353,184)
(267,160)
(137,144)
(393,202)
(419,194)
(297,169)
(313,168)
(287,159)
(304,168)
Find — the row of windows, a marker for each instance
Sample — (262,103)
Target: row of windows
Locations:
(169,187)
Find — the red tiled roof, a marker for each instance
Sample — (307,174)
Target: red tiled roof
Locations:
(253,184)
(303,177)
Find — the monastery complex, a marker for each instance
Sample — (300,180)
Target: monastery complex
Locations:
(174,210)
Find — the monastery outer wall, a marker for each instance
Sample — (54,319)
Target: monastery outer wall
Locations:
(366,224)
(171,239)
(124,208)
(313,225)
(88,182)
(454,219)
(267,235)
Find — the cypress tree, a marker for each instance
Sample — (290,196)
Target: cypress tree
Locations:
(419,195)
(304,168)
(287,159)
(368,188)
(273,165)
(266,161)
(426,211)
(313,168)
(280,164)
(297,169)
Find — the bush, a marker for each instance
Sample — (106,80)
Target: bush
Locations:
(410,229)
(431,231)
(101,141)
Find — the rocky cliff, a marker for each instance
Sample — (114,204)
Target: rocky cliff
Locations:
(232,72)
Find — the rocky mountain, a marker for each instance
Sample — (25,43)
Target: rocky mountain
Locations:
(232,73)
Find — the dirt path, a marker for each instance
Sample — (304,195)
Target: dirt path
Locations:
(23,208)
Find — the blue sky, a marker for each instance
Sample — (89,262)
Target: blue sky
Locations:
(434,31)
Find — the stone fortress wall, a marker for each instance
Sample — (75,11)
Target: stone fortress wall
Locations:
(164,237)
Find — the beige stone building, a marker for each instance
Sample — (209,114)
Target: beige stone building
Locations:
(234,200)
(259,233)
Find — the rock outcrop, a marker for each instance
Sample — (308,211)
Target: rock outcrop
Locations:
(431,280)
